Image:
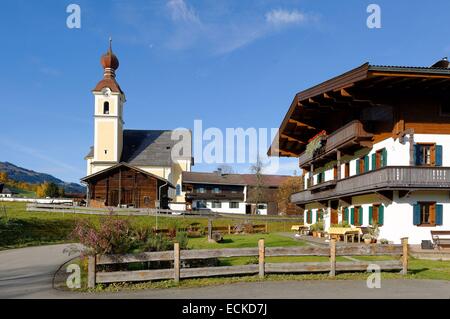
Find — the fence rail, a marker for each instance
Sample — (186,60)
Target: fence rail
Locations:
(68,209)
(262,268)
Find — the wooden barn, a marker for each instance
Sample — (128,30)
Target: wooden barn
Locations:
(123,185)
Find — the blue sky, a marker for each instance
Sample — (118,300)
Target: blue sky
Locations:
(229,63)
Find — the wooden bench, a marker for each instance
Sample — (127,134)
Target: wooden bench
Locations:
(441,238)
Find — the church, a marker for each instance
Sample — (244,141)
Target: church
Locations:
(132,168)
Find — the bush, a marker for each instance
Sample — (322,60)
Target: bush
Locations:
(113,236)
(116,236)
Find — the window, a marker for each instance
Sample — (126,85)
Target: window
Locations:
(335,172)
(356,216)
(146,200)
(262,206)
(216,190)
(319,215)
(216,204)
(427,214)
(362,165)
(376,215)
(106,108)
(347,170)
(320,178)
(379,159)
(178,189)
(428,154)
(201,190)
(309,217)
(234,204)
(201,204)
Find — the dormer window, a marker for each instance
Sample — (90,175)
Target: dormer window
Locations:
(106,108)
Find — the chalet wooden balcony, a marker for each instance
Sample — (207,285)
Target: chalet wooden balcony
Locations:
(405,178)
(350,136)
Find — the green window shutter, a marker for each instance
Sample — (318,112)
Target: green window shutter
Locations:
(352,216)
(357,166)
(438,155)
(417,155)
(381,215)
(416,214)
(309,217)
(371,215)
(345,215)
(361,216)
(384,157)
(366,164)
(439,215)
(317,216)
(374,161)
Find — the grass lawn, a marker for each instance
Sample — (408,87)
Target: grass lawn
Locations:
(21,228)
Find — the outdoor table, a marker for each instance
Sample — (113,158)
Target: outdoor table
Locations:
(345,232)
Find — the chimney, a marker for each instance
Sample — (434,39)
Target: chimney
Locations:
(219,172)
(441,64)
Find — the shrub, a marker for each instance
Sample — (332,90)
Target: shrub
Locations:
(113,236)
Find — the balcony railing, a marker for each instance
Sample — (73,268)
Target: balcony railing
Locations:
(352,132)
(391,177)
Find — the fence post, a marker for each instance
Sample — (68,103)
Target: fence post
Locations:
(266,230)
(333,257)
(262,253)
(229,229)
(91,271)
(405,256)
(209,229)
(176,262)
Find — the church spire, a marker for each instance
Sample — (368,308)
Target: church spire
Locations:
(110,62)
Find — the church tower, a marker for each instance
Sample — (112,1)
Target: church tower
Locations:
(108,115)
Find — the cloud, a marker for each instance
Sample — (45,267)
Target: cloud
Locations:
(279,17)
(217,29)
(181,11)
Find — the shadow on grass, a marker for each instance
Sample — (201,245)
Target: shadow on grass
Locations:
(417,271)
(19,232)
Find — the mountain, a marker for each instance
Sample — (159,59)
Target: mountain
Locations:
(21,174)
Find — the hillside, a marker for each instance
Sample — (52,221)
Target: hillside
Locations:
(21,174)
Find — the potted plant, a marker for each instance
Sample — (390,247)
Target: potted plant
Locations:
(374,231)
(367,238)
(320,229)
(313,229)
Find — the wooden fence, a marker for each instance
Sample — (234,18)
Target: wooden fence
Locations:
(69,209)
(177,272)
(228,229)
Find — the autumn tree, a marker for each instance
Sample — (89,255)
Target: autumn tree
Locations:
(258,188)
(291,185)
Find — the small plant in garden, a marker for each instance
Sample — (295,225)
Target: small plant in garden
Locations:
(113,236)
(384,241)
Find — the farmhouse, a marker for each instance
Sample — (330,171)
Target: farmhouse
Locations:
(6,192)
(232,193)
(132,168)
(374,146)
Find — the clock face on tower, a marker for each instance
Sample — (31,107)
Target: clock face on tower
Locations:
(106,92)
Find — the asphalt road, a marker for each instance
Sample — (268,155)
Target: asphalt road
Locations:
(28,273)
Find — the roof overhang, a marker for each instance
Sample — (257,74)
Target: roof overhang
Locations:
(106,170)
(309,108)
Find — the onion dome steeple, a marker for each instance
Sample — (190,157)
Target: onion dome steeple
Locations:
(109,61)
(110,64)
